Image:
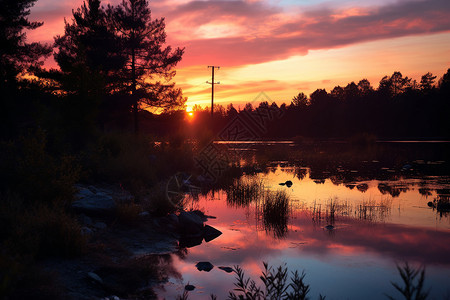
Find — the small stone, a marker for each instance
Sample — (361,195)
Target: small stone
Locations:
(94,277)
(189,287)
(144,214)
(329,227)
(288,183)
(226,269)
(204,266)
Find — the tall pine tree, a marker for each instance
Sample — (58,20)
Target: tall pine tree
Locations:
(17,57)
(149,65)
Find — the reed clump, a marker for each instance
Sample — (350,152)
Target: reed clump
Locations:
(244,191)
(276,211)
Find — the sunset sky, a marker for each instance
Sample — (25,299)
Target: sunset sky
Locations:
(283,47)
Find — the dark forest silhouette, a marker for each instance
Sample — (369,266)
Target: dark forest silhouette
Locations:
(399,108)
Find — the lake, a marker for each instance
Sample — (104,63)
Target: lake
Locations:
(348,223)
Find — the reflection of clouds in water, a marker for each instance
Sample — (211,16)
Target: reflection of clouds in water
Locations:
(409,231)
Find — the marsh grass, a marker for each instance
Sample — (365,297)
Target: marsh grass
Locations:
(370,210)
(244,191)
(275,212)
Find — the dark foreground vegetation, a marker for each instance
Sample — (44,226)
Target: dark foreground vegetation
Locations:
(275,285)
(87,123)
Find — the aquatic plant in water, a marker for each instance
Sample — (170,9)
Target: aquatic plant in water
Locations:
(413,288)
(275,285)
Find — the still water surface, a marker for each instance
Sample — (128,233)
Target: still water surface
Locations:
(377,224)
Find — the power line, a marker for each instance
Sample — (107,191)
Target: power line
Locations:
(212,88)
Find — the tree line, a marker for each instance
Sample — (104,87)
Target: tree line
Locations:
(399,108)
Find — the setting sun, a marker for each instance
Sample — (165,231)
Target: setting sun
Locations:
(190,112)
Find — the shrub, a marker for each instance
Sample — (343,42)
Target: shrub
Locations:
(31,172)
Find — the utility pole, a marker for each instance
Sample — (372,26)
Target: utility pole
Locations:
(212,88)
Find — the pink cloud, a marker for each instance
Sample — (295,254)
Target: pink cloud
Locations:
(311,30)
(261,32)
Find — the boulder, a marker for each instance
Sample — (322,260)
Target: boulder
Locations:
(190,224)
(190,241)
(92,203)
(210,233)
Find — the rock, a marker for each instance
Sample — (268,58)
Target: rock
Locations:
(86,231)
(288,183)
(329,227)
(84,192)
(189,287)
(430,204)
(100,225)
(204,266)
(200,214)
(93,203)
(282,183)
(190,223)
(94,277)
(226,269)
(85,220)
(173,218)
(144,214)
(190,241)
(407,167)
(210,233)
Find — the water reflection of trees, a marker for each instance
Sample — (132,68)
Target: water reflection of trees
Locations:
(393,190)
(441,203)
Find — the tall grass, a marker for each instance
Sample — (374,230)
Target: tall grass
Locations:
(244,191)
(272,208)
(276,211)
(368,210)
